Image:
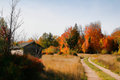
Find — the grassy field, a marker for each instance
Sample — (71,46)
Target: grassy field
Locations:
(99,72)
(111,62)
(63,68)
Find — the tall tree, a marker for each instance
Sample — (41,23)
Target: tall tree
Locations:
(81,40)
(93,35)
(73,37)
(13,24)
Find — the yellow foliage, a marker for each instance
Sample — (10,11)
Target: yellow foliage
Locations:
(50,50)
(65,50)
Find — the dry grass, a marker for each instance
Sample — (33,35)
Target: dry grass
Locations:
(84,55)
(110,61)
(64,67)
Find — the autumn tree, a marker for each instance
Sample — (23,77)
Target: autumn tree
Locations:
(86,47)
(116,35)
(64,47)
(108,44)
(3,35)
(93,35)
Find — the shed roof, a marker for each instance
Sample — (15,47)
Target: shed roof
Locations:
(23,45)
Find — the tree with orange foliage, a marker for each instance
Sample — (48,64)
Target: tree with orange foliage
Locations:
(86,47)
(93,35)
(64,48)
(116,36)
(108,44)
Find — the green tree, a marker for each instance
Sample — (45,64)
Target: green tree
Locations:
(73,37)
(47,40)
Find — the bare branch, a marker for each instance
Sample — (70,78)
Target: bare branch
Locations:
(14,23)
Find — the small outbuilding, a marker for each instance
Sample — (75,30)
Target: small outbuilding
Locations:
(28,48)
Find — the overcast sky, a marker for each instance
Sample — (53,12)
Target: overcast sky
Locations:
(55,16)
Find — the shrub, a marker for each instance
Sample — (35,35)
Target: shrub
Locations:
(2,45)
(72,52)
(60,53)
(81,57)
(104,51)
(51,50)
(14,67)
(119,51)
(65,50)
(75,54)
(115,52)
(118,59)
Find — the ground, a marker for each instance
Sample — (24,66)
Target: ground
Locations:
(74,68)
(65,67)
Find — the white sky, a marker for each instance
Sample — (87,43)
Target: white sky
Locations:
(55,16)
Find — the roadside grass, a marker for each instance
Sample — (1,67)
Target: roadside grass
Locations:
(99,72)
(98,63)
(110,62)
(60,67)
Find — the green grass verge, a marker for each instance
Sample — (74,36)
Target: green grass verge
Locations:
(99,72)
(98,63)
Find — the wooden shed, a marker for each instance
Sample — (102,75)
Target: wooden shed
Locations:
(28,48)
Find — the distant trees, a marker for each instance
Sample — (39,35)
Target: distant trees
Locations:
(47,40)
(75,40)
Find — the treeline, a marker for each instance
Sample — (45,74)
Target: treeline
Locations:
(78,40)
(74,40)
